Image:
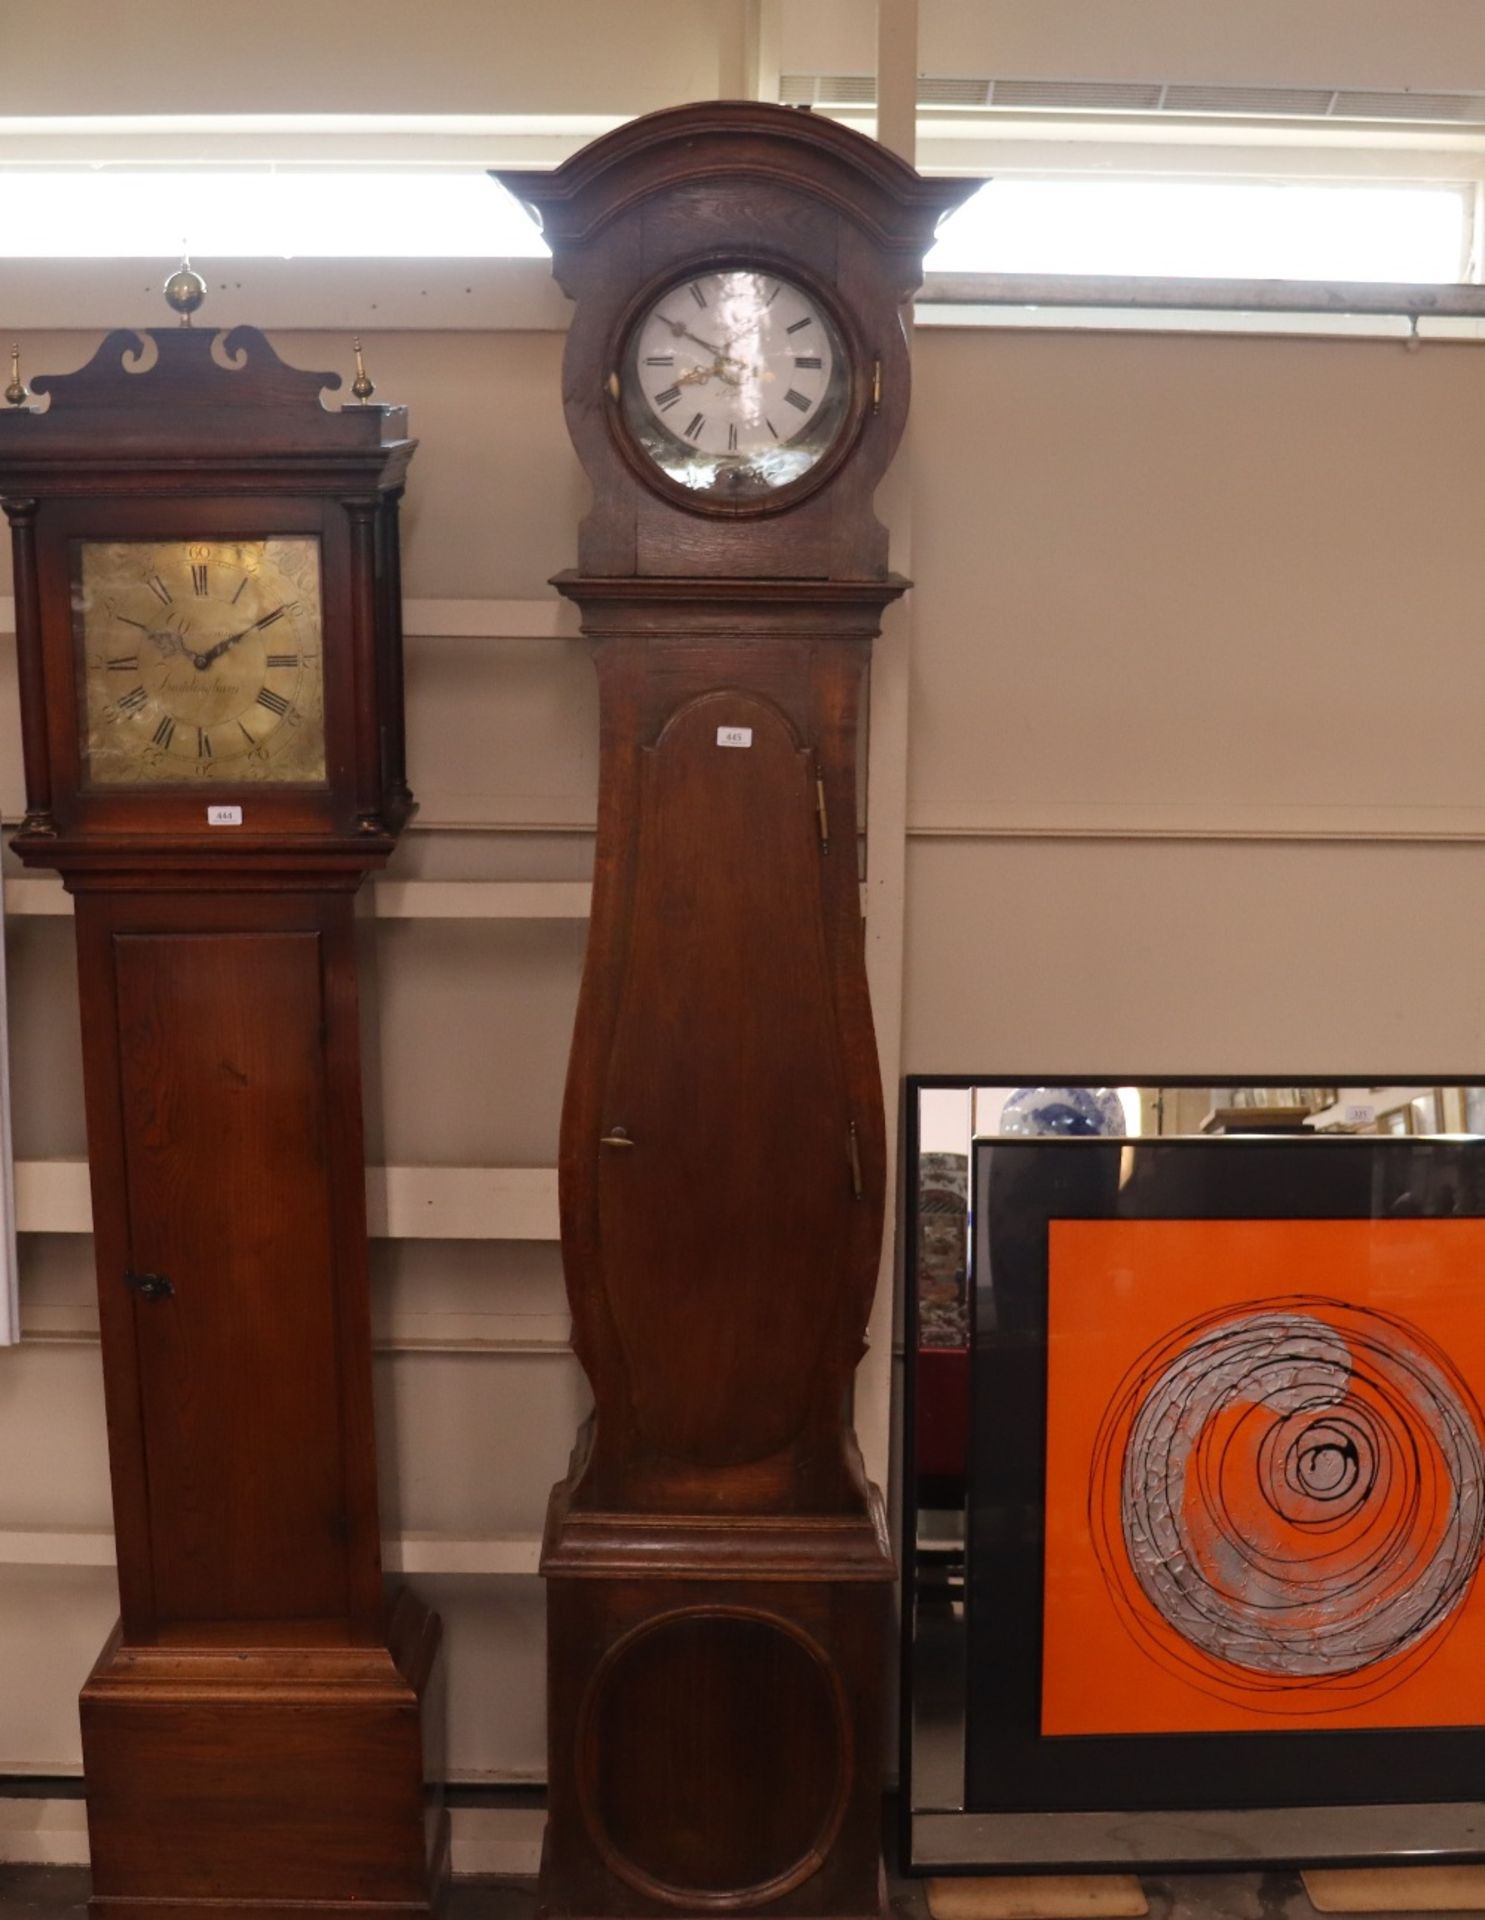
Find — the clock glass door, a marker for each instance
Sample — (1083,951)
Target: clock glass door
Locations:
(735,384)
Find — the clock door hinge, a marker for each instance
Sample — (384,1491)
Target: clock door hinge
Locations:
(822,815)
(876,384)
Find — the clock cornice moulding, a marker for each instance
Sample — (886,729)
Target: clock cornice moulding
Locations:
(161,394)
(896,207)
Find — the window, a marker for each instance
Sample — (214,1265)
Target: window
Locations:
(1230,229)
(263,213)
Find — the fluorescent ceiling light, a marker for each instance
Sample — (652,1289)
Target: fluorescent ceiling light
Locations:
(1235,230)
(243,215)
(59,126)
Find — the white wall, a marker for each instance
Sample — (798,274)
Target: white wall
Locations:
(1432,45)
(456,56)
(1195,780)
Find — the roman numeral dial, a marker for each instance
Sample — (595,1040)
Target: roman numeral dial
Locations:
(735,383)
(201,662)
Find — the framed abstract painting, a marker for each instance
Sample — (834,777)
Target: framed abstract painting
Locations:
(1224,1505)
(1268,1515)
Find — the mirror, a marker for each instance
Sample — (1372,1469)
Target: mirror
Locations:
(981,1158)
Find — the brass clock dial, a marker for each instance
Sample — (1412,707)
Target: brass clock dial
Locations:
(735,384)
(200,662)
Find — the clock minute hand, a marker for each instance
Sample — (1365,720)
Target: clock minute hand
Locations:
(204,660)
(683,332)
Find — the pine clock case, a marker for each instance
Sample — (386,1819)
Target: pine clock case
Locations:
(719,1577)
(259,1730)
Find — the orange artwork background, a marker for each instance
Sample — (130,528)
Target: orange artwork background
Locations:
(1117,1291)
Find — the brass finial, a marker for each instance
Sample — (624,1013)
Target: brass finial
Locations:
(184,290)
(361,386)
(16,394)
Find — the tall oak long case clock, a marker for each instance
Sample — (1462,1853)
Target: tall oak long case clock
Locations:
(719,1576)
(207,611)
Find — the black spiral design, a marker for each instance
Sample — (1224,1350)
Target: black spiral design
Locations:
(1289,1495)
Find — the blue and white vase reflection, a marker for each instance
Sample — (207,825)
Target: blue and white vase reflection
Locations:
(1074,1113)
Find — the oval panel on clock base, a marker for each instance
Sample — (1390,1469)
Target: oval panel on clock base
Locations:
(691,1813)
(719,1581)
(207,620)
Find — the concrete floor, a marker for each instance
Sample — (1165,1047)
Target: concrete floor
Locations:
(60,1893)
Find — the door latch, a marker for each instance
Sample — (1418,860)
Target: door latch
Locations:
(153,1286)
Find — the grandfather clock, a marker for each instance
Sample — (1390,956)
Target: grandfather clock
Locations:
(207,612)
(719,1576)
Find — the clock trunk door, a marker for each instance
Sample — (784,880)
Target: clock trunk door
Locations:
(724,1225)
(223,1095)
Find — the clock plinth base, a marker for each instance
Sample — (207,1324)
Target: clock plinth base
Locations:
(631,1907)
(281,1778)
(715,1689)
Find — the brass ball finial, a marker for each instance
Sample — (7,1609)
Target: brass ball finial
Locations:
(184,290)
(16,394)
(361,386)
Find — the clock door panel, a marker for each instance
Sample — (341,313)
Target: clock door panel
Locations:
(225,1149)
(725,1224)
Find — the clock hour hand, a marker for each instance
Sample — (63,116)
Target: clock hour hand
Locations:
(716,371)
(693,376)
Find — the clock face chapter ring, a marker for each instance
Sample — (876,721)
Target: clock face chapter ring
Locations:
(739,387)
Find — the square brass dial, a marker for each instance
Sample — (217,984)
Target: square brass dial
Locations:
(200,662)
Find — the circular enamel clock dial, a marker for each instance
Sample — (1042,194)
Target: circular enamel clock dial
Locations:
(735,384)
(201,661)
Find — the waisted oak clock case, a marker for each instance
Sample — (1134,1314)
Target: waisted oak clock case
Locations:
(210,658)
(718,1574)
